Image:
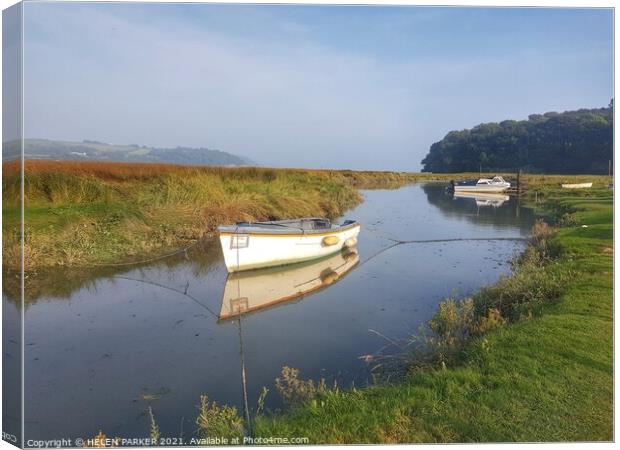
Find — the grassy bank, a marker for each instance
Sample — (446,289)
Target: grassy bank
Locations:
(544,376)
(80,213)
(88,213)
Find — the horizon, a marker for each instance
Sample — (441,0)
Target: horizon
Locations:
(305,86)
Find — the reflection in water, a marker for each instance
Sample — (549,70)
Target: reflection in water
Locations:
(250,291)
(61,282)
(482,199)
(505,209)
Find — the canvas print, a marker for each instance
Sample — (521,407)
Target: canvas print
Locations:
(299,224)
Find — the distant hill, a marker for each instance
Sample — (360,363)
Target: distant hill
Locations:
(99,151)
(564,143)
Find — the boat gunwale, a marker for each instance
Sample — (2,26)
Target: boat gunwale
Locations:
(233,230)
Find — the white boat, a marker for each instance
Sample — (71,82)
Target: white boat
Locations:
(254,245)
(484,198)
(495,184)
(246,292)
(577,185)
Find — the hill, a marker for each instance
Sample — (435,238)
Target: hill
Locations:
(565,143)
(99,151)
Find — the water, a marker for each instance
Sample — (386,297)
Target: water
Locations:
(101,346)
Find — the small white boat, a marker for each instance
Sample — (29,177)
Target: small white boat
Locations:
(577,185)
(247,292)
(484,198)
(254,245)
(495,184)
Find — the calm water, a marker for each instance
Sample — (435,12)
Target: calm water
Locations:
(98,342)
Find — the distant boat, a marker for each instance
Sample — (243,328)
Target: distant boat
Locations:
(247,292)
(254,245)
(577,185)
(484,198)
(495,184)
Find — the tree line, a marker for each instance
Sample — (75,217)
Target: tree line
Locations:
(566,143)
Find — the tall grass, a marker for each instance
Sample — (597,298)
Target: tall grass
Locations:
(81,213)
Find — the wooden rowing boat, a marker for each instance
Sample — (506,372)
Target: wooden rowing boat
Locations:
(577,185)
(254,245)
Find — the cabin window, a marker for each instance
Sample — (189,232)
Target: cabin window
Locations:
(239,241)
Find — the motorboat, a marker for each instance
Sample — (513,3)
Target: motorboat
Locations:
(495,184)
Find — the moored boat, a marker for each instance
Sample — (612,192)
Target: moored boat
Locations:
(576,185)
(254,290)
(254,245)
(496,184)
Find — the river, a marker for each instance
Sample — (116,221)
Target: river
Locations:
(102,346)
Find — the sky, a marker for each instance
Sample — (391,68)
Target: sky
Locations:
(356,87)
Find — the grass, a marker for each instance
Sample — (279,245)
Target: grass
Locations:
(80,214)
(542,377)
(95,213)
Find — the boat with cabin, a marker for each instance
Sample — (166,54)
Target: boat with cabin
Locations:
(255,245)
(496,185)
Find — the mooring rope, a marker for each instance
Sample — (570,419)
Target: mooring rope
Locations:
(398,242)
(144,261)
(163,286)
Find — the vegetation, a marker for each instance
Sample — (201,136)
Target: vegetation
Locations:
(99,151)
(528,359)
(79,213)
(96,213)
(566,143)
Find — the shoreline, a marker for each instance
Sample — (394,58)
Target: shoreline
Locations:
(544,376)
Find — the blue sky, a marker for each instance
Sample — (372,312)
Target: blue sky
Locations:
(305,86)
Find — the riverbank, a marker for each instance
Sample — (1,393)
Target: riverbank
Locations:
(546,377)
(83,214)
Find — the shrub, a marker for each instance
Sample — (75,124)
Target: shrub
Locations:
(218,421)
(294,390)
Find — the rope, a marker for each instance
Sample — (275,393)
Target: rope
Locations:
(398,242)
(163,286)
(155,258)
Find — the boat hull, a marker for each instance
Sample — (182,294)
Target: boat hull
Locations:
(247,251)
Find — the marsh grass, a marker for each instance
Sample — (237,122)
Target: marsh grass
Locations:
(90,213)
(216,420)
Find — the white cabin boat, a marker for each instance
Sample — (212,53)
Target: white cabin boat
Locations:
(577,185)
(247,292)
(495,184)
(254,245)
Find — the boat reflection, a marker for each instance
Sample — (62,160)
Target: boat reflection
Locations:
(483,199)
(250,291)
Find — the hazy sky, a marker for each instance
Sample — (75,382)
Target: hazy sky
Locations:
(304,86)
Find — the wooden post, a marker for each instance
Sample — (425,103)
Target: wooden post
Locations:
(519,182)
